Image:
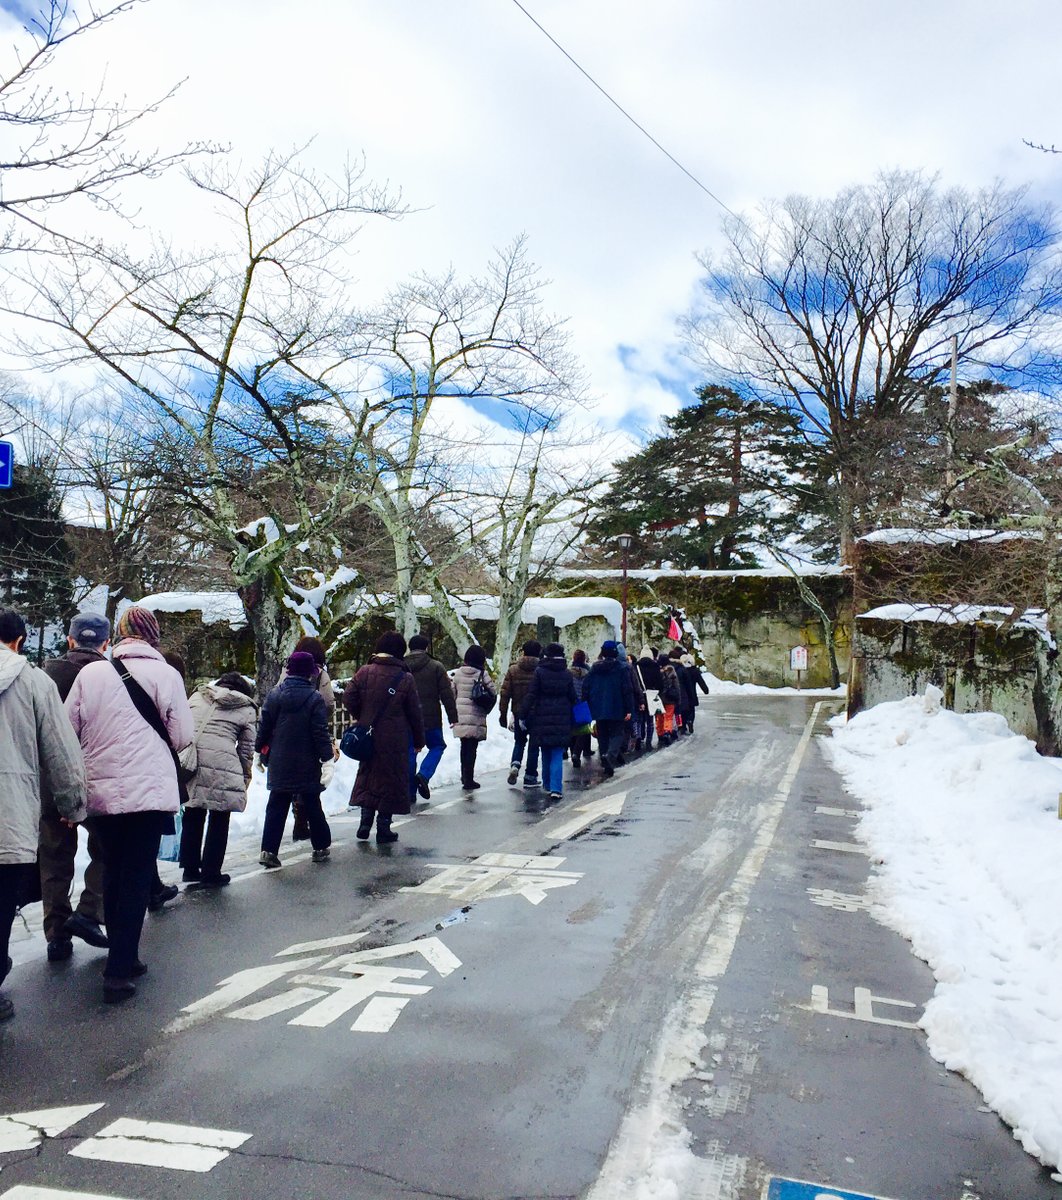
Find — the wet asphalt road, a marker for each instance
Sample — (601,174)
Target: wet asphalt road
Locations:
(511,1023)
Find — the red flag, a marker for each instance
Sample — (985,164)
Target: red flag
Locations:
(673,631)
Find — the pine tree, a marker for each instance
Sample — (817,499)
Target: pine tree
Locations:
(36,575)
(724,477)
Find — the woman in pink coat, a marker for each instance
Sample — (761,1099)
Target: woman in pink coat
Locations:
(130,716)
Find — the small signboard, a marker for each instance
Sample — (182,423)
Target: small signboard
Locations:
(798,658)
(795,1189)
(7,464)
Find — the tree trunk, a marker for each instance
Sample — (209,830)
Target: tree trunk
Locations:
(407,620)
(508,626)
(273,626)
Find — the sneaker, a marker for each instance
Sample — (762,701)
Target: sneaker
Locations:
(191,876)
(423,791)
(78,925)
(269,861)
(471,786)
(608,768)
(514,773)
(215,881)
(60,949)
(555,797)
(322,855)
(7,1009)
(168,893)
(531,781)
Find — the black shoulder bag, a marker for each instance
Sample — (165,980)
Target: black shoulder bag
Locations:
(482,697)
(356,742)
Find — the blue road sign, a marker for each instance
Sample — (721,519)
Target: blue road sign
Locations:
(795,1189)
(7,463)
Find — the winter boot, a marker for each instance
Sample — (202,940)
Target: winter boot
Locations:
(384,832)
(365,828)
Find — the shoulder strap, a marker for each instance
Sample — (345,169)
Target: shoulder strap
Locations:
(142,702)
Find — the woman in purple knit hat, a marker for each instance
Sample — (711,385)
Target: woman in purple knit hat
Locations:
(131,716)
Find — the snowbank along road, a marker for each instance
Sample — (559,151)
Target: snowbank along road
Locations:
(668,986)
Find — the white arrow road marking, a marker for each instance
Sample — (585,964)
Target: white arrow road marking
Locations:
(234,989)
(438,956)
(610,806)
(843,847)
(156,1144)
(346,939)
(26,1131)
(24,1191)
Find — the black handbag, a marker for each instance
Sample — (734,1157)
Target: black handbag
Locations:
(356,742)
(482,697)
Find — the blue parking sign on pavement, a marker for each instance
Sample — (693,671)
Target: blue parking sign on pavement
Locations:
(795,1189)
(7,464)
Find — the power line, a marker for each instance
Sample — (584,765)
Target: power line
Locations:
(616,104)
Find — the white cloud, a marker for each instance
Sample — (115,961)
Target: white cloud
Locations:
(490,131)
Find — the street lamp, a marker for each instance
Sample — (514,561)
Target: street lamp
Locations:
(625,540)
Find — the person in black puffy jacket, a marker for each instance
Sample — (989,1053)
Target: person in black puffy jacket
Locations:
(547,712)
(294,734)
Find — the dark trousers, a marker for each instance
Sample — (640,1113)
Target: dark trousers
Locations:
(522,738)
(276,816)
(469,747)
(610,738)
(55,854)
(12,884)
(129,842)
(580,746)
(197,856)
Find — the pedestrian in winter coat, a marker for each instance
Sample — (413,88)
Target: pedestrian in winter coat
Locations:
(670,697)
(632,732)
(36,745)
(294,741)
(581,745)
(226,718)
(383,696)
(312,645)
(547,713)
(649,674)
(696,680)
(436,693)
(87,640)
(471,725)
(514,691)
(688,694)
(131,717)
(611,699)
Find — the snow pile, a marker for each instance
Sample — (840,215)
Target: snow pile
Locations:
(727,687)
(963,817)
(960,614)
(947,537)
(216,607)
(494,755)
(651,574)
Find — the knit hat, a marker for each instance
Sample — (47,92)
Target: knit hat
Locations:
(140,623)
(90,630)
(301,664)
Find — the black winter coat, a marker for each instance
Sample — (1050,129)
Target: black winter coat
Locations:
(63,671)
(650,674)
(294,726)
(608,690)
(686,688)
(547,708)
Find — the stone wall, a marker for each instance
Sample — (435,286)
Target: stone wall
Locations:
(742,623)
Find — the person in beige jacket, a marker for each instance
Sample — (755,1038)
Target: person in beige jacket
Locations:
(471,727)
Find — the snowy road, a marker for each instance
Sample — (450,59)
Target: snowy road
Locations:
(669,987)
